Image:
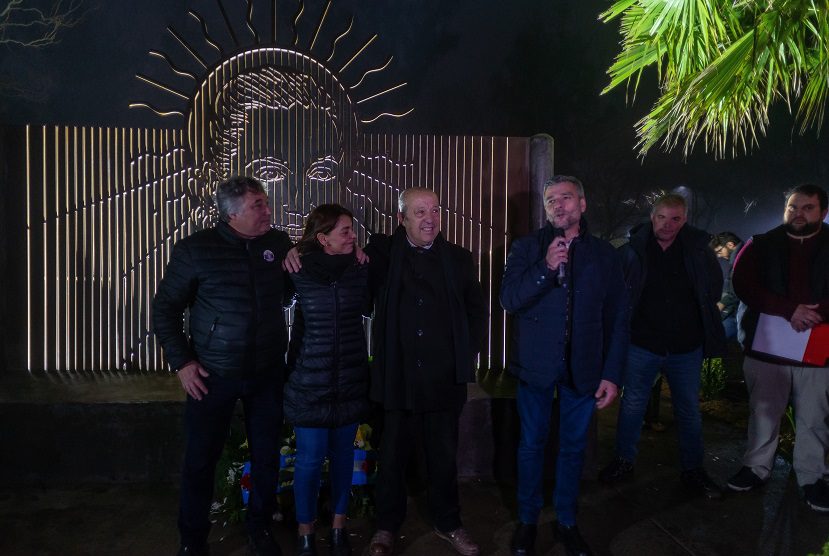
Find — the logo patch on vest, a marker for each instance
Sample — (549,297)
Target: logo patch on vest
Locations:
(268,255)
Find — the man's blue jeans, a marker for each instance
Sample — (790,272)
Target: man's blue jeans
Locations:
(534,410)
(683,373)
(312,445)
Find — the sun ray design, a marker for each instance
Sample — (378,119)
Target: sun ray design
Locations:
(343,34)
(207,37)
(249,20)
(158,85)
(173,67)
(227,23)
(387,115)
(163,114)
(297,17)
(187,47)
(319,25)
(381,93)
(375,70)
(356,54)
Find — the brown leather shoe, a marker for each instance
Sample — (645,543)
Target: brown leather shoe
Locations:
(382,543)
(460,541)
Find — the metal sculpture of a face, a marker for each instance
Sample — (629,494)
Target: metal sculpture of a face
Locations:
(286,121)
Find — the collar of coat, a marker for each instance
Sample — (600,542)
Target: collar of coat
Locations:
(231,236)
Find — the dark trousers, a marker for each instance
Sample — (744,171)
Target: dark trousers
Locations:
(207,423)
(438,431)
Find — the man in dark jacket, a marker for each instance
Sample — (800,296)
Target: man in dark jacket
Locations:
(566,293)
(231,280)
(782,279)
(674,282)
(429,325)
(726,245)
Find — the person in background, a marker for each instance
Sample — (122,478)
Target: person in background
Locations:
(674,282)
(726,245)
(326,394)
(785,273)
(230,278)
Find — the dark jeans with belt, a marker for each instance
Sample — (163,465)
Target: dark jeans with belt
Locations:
(438,431)
(207,423)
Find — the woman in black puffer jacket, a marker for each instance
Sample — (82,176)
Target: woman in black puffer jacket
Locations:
(326,394)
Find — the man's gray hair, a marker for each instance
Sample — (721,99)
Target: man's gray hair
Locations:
(229,194)
(559,178)
(403,198)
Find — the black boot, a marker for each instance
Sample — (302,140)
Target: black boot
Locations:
(338,544)
(574,544)
(523,540)
(306,545)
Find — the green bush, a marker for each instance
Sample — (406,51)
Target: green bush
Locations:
(713,378)
(825,550)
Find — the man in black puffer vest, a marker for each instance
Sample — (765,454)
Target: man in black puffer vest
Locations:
(429,325)
(782,277)
(230,277)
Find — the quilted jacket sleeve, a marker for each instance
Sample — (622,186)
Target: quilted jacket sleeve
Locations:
(175,293)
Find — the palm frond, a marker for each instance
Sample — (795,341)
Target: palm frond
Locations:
(721,65)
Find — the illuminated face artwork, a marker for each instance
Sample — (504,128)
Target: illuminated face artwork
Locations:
(280,126)
(295,106)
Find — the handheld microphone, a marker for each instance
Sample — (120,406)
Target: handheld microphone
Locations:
(561,276)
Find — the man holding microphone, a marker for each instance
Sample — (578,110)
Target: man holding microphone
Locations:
(566,293)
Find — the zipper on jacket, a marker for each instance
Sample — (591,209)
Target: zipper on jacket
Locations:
(210,332)
(336,343)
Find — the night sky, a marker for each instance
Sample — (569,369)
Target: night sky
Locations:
(481,67)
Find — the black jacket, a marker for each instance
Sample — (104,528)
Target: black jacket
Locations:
(466,312)
(327,360)
(703,271)
(234,290)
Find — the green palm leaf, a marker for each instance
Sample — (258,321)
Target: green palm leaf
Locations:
(721,64)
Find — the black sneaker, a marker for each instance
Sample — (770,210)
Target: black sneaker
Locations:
(698,481)
(817,495)
(523,540)
(574,543)
(744,480)
(616,470)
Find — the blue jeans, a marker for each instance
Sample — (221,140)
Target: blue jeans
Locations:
(683,373)
(312,445)
(534,410)
(730,326)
